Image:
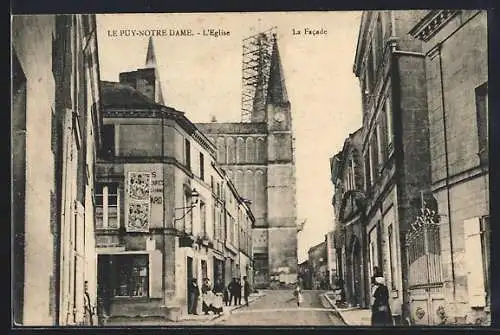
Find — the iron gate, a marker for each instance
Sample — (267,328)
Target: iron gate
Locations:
(424,265)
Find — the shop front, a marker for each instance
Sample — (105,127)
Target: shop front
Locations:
(129,282)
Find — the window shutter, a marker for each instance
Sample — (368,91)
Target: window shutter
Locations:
(155,274)
(473,257)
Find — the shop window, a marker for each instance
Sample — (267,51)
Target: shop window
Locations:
(133,276)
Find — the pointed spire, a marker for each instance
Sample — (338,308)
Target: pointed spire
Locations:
(150,57)
(151,64)
(276,89)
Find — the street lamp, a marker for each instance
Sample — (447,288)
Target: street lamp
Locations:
(194,195)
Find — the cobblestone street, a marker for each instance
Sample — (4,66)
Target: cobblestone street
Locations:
(278,308)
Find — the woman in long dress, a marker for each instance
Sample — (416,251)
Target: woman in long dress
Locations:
(381,310)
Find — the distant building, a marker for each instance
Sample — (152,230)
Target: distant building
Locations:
(167,213)
(259,158)
(56,126)
(304,275)
(332,258)
(455,45)
(318,266)
(347,173)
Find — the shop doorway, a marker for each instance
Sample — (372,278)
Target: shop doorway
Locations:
(189,277)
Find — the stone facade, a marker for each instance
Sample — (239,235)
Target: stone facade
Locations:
(167,212)
(425,158)
(458,115)
(56,133)
(347,173)
(258,157)
(391,69)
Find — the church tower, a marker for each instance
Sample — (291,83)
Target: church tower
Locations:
(281,190)
(258,156)
(147,79)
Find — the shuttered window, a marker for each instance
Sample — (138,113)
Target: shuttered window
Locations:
(475,268)
(155,274)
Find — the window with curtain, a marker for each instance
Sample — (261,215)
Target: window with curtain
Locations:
(107,205)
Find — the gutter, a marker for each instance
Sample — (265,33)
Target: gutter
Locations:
(445,139)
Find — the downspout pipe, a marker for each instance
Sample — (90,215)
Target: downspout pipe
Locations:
(447,170)
(399,176)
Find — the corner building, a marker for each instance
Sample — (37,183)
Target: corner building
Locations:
(259,158)
(161,203)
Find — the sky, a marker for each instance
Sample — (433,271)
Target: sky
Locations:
(201,76)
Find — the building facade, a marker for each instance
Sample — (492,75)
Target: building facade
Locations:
(304,275)
(457,98)
(166,213)
(332,258)
(56,125)
(390,65)
(259,158)
(318,266)
(347,173)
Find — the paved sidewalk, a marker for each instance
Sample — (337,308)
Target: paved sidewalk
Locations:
(353,316)
(187,320)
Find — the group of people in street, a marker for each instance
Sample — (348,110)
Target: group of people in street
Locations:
(234,290)
(214,298)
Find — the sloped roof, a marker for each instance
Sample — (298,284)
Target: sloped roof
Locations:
(116,95)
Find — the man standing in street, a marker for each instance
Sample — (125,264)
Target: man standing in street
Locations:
(194,293)
(237,292)
(246,290)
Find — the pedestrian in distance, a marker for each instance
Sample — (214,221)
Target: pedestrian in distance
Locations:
(246,290)
(232,291)
(227,302)
(237,292)
(381,310)
(297,293)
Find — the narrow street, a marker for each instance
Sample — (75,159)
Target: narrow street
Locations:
(278,308)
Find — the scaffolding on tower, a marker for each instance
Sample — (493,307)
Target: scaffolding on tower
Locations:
(256,65)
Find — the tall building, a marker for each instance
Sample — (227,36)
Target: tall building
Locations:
(347,173)
(56,125)
(390,65)
(258,155)
(455,45)
(166,213)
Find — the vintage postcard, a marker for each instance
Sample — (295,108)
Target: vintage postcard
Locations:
(251,169)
